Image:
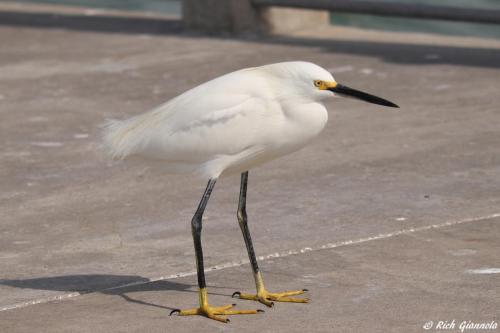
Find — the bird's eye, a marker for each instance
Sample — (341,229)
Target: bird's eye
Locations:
(317,83)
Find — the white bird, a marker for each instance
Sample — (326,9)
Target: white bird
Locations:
(229,125)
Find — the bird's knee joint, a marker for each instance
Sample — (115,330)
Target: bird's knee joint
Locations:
(196,223)
(242,216)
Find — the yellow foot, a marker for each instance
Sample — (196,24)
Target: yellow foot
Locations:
(268,298)
(214,312)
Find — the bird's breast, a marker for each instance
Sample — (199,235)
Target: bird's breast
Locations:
(304,122)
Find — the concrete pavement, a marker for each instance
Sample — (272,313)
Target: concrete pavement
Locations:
(75,223)
(397,284)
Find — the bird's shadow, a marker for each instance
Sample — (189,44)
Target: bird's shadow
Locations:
(118,285)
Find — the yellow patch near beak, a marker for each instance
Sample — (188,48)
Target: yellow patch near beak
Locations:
(326,85)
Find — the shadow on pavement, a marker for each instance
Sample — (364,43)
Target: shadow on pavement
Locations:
(100,23)
(403,53)
(119,285)
(393,52)
(102,283)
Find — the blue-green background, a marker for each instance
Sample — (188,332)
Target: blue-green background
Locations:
(364,21)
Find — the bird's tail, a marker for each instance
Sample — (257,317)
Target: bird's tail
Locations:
(122,137)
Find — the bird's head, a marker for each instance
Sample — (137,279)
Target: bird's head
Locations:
(312,81)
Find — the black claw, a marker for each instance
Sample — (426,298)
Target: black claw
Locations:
(227,320)
(174,311)
(304,290)
(236,293)
(259,310)
(272,305)
(234,304)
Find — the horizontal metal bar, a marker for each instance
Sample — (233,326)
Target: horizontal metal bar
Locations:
(386,8)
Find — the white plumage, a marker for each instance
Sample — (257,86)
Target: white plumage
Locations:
(234,122)
(231,123)
(227,125)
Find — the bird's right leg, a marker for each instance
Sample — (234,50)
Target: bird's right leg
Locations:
(262,295)
(205,309)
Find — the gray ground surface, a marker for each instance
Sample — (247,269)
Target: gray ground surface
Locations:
(395,285)
(72,221)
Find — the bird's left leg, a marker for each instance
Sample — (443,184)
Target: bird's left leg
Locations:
(262,295)
(204,308)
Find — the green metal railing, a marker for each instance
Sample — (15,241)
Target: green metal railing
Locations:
(387,8)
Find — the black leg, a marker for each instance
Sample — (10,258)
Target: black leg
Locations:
(205,309)
(196,232)
(262,295)
(242,220)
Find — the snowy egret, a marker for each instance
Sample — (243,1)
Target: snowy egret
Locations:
(229,125)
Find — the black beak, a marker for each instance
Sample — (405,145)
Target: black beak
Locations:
(349,92)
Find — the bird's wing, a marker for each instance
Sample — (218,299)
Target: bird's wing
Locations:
(221,117)
(202,129)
